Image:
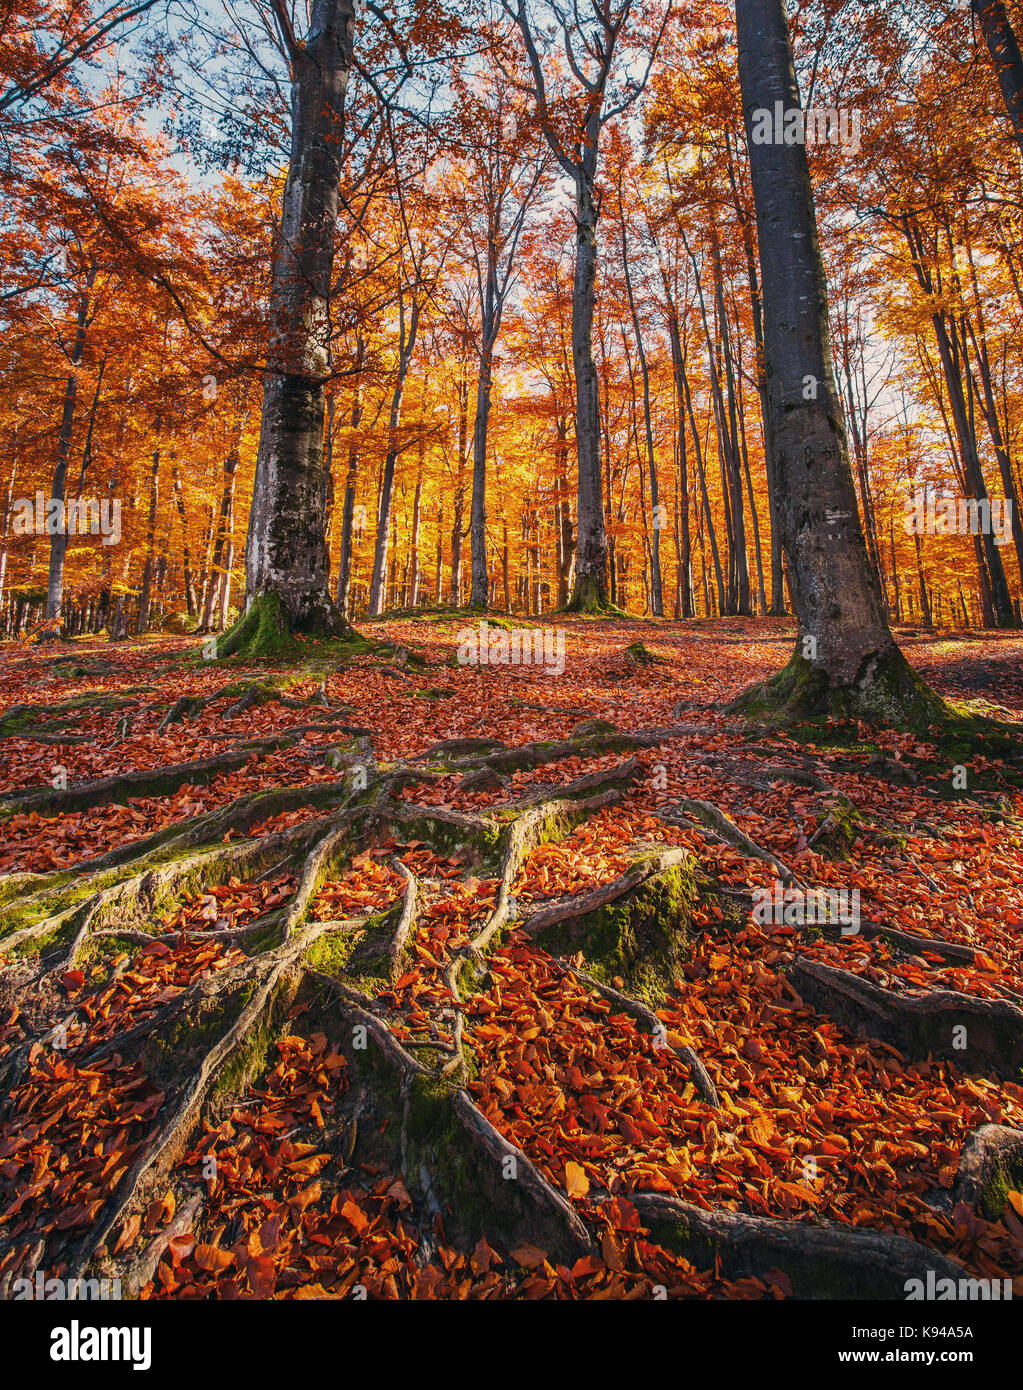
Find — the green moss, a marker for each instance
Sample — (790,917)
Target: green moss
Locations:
(812,1276)
(265,633)
(590,728)
(589,599)
(331,953)
(641,655)
(644,936)
(888,693)
(843,828)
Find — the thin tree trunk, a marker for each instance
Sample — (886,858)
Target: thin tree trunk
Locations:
(58,492)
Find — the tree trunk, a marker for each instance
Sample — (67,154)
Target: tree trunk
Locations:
(656,594)
(186,554)
(146,593)
(1005,57)
(58,493)
(479,591)
(590,589)
(286,560)
(846,660)
(218,577)
(406,347)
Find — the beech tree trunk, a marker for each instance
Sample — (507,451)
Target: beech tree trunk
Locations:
(344,568)
(286,555)
(845,655)
(479,592)
(148,574)
(591,538)
(1005,57)
(58,492)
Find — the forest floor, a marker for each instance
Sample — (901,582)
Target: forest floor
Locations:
(384,976)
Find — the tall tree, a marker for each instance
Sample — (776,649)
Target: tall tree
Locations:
(286,557)
(1006,58)
(572,116)
(846,659)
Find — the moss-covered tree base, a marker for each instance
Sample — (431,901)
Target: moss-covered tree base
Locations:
(887,691)
(589,598)
(266,632)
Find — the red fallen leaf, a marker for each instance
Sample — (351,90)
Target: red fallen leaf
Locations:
(260,1271)
(213,1259)
(80,1214)
(528,1256)
(355,1216)
(780,1280)
(72,980)
(181,1247)
(399,1192)
(129,1233)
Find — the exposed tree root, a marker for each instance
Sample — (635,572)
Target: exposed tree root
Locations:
(203,1047)
(705,813)
(820,1261)
(579,905)
(886,690)
(161,781)
(702,1078)
(980,1035)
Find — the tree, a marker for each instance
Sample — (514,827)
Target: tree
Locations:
(846,660)
(1005,58)
(286,558)
(503,175)
(572,118)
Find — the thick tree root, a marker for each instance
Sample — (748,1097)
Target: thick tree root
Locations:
(581,904)
(162,781)
(886,691)
(702,1079)
(203,1047)
(825,1261)
(980,1035)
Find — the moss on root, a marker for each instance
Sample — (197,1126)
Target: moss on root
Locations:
(643,937)
(1007,1177)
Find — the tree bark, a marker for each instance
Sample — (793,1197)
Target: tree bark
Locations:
(846,657)
(1005,57)
(58,492)
(286,551)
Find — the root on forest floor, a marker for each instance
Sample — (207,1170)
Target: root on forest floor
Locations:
(204,1046)
(819,1261)
(983,1036)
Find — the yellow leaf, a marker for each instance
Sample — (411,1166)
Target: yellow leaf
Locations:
(577,1184)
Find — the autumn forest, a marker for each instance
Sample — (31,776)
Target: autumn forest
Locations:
(511,651)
